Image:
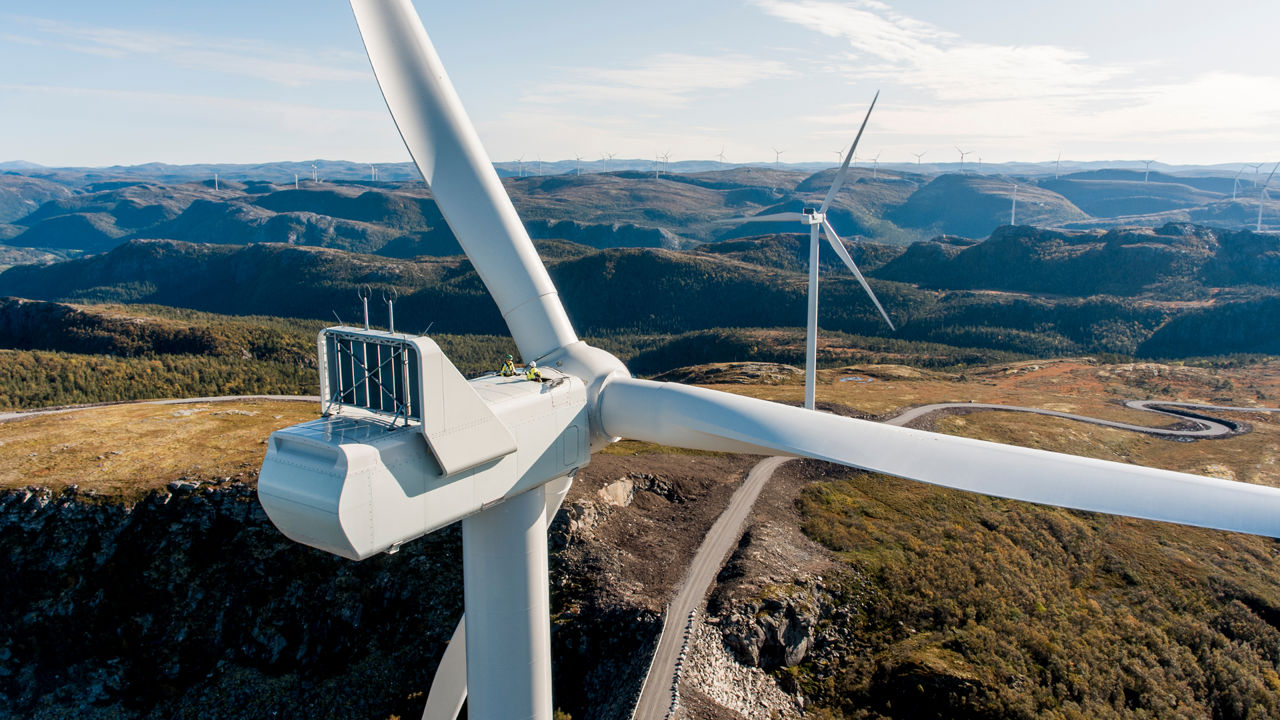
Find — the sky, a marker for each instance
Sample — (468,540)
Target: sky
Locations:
(91,83)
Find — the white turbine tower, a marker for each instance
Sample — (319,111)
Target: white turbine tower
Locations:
(875,166)
(502,457)
(1013,212)
(607,157)
(839,155)
(579,158)
(1056,164)
(314,176)
(215,182)
(520,165)
(720,156)
(963,154)
(1148,172)
(1263,197)
(1235,182)
(777,158)
(921,155)
(817,220)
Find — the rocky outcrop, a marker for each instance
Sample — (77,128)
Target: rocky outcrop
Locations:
(189,603)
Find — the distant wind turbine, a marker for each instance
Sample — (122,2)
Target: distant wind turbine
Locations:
(215,181)
(777,157)
(721,157)
(875,165)
(579,157)
(666,162)
(921,155)
(1256,168)
(1056,163)
(314,177)
(817,222)
(606,158)
(1148,174)
(963,153)
(839,155)
(520,165)
(1013,214)
(295,181)
(1263,196)
(1235,182)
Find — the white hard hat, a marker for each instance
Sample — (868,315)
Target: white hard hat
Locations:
(533,363)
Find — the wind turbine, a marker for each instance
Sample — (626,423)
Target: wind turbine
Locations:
(1263,196)
(606,158)
(963,153)
(777,157)
(875,165)
(314,177)
(815,220)
(1057,163)
(215,182)
(666,162)
(1013,212)
(579,158)
(1256,168)
(921,155)
(1148,173)
(1235,182)
(839,155)
(520,165)
(721,157)
(502,458)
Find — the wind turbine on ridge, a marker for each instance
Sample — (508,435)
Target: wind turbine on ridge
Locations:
(816,220)
(502,458)
(919,156)
(1148,173)
(777,158)
(1235,182)
(963,153)
(875,166)
(1013,212)
(1263,196)
(720,155)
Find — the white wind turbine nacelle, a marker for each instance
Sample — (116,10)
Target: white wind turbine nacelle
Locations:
(507,640)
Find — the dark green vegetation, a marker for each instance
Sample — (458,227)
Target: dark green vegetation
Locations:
(1174,291)
(961,606)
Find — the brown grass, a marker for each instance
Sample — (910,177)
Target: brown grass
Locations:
(123,451)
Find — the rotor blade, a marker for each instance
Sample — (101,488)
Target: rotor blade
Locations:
(447,151)
(835,184)
(843,252)
(1273,172)
(771,217)
(697,418)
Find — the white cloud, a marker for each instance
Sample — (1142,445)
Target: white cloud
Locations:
(892,46)
(231,56)
(1020,101)
(661,81)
